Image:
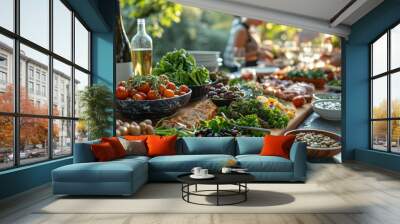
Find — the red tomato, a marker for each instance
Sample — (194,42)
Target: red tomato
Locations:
(121,93)
(153,95)
(144,87)
(144,95)
(138,97)
(298,101)
(169,93)
(122,83)
(171,86)
(182,93)
(131,92)
(184,88)
(161,88)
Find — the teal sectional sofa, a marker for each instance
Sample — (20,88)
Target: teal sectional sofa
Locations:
(125,176)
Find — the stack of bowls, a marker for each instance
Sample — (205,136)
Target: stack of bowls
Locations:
(208,59)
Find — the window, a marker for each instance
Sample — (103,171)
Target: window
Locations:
(3,72)
(30,72)
(30,87)
(47,74)
(385,95)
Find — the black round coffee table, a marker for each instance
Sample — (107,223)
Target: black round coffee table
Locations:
(238,179)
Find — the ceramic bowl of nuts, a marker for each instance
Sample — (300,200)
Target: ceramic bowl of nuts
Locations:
(328,109)
(320,144)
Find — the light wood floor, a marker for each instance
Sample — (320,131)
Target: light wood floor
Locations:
(377,188)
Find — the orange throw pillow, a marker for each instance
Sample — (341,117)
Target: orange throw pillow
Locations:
(116,145)
(103,152)
(277,145)
(161,145)
(136,137)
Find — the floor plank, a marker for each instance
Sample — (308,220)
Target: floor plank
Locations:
(378,190)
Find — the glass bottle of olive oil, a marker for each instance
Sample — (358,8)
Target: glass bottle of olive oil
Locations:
(142,48)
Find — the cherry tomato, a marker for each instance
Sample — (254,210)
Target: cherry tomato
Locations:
(121,93)
(138,97)
(161,88)
(169,93)
(131,92)
(144,87)
(171,86)
(144,95)
(298,101)
(153,95)
(184,88)
(122,83)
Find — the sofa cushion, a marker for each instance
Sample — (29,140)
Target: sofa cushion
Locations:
(134,147)
(112,171)
(208,145)
(277,145)
(83,152)
(103,152)
(257,163)
(249,145)
(161,145)
(116,145)
(185,163)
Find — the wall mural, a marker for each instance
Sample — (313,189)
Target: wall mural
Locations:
(292,86)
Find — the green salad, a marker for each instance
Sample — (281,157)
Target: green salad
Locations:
(268,117)
(310,74)
(181,68)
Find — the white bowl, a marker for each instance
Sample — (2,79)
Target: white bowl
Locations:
(328,114)
(326,96)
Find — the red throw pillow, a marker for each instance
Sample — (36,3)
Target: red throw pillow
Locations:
(103,152)
(116,145)
(161,145)
(277,145)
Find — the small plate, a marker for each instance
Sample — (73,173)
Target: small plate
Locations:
(209,176)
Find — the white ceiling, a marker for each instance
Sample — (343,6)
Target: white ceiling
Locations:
(315,15)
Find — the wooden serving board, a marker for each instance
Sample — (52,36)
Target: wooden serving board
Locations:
(301,114)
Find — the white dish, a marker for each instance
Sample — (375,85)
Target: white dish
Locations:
(328,114)
(208,176)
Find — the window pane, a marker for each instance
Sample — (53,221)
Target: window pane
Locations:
(395,136)
(395,94)
(379,97)
(62,29)
(81,81)
(33,139)
(34,97)
(62,89)
(6,74)
(379,135)
(35,21)
(379,55)
(6,142)
(395,47)
(81,131)
(81,45)
(7,14)
(62,141)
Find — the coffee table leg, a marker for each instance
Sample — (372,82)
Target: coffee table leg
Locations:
(217,194)
(245,193)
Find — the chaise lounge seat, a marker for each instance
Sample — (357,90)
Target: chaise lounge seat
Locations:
(119,177)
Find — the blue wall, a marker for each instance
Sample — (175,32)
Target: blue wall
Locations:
(99,16)
(356,84)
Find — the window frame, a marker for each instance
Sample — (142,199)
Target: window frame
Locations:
(16,115)
(388,74)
